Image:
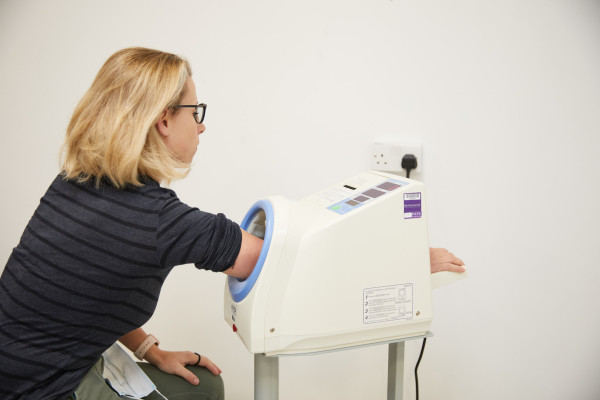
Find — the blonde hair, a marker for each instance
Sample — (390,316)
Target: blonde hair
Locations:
(112,133)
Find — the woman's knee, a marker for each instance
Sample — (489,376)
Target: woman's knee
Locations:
(173,387)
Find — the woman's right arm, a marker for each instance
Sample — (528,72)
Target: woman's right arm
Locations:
(247,257)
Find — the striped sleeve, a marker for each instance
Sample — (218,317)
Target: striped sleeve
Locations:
(187,235)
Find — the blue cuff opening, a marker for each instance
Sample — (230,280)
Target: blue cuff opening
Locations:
(238,288)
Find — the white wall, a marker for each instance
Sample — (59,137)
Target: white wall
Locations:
(504,96)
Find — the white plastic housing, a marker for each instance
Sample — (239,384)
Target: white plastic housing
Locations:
(338,271)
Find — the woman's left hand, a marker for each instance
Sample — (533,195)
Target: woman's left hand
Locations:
(174,362)
(443,260)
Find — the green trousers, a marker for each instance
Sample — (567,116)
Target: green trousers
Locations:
(93,386)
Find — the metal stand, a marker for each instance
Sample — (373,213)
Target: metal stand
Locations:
(395,389)
(266,371)
(266,377)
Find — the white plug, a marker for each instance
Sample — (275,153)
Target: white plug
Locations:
(388,156)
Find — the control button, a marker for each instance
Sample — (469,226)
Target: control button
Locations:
(234,328)
(389,186)
(374,193)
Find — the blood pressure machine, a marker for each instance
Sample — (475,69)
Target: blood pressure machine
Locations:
(347,266)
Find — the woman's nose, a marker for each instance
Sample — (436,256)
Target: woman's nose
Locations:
(201,129)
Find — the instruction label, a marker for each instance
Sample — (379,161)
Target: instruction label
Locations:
(388,303)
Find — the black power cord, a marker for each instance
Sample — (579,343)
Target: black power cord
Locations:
(409,162)
(417,366)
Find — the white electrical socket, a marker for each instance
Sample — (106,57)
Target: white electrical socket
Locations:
(387,156)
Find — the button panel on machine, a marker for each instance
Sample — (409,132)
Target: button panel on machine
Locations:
(351,203)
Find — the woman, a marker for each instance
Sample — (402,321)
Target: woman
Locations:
(91,262)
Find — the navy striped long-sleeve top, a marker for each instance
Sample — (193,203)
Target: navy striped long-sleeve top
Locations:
(89,269)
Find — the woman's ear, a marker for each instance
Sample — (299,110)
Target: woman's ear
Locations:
(162,126)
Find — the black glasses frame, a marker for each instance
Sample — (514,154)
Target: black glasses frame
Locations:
(197,116)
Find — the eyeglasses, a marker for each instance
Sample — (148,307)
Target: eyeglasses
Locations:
(199,113)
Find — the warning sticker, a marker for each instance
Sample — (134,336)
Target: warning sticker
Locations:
(388,303)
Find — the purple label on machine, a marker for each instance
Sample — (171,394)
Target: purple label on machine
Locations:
(412,205)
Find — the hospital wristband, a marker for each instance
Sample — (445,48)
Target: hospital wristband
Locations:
(145,346)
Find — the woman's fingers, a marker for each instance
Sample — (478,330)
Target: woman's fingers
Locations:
(209,365)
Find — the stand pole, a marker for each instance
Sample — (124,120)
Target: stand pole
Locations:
(266,377)
(395,371)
